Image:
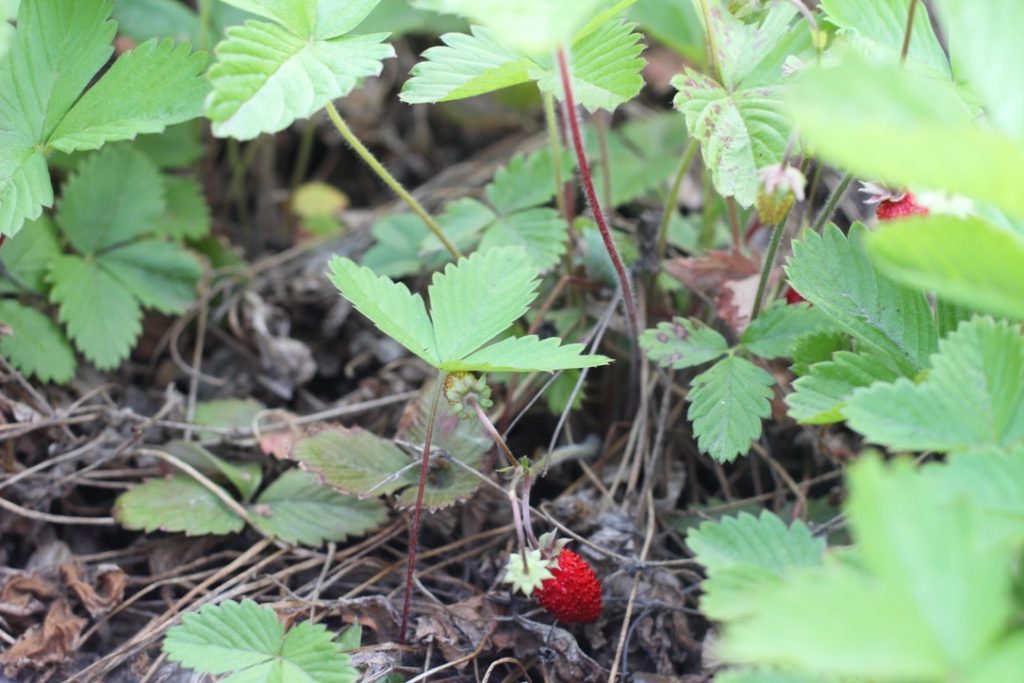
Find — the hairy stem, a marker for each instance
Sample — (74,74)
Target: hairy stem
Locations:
(832,203)
(389,180)
(673,193)
(414,533)
(591,193)
(493,432)
(766,269)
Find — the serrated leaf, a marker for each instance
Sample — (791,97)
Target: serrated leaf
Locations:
(102,316)
(964,260)
(775,332)
(298,509)
(605,66)
(683,343)
(533,26)
(393,309)
(739,132)
(904,129)
(729,400)
(820,395)
(142,20)
(177,503)
(160,274)
(876,28)
(673,24)
(266,77)
(541,232)
(397,251)
(24,182)
(987,53)
(246,477)
(832,272)
(26,257)
(36,346)
(228,413)
(179,146)
(244,637)
(115,195)
(751,54)
(147,89)
(58,47)
(477,299)
(464,66)
(352,460)
(462,222)
(526,354)
(972,396)
(815,348)
(186,215)
(526,181)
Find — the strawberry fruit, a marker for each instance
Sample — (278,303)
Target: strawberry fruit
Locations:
(900,207)
(573,594)
(793,296)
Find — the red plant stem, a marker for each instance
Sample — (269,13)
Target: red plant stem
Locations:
(591,193)
(414,533)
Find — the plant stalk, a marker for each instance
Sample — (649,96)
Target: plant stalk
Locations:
(555,145)
(908,31)
(716,69)
(766,269)
(673,193)
(832,203)
(389,180)
(591,193)
(414,533)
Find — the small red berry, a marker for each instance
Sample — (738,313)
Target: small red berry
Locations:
(793,296)
(573,594)
(900,207)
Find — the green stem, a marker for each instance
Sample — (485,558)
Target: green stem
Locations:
(414,533)
(389,180)
(908,31)
(204,24)
(716,69)
(670,202)
(555,145)
(832,203)
(769,262)
(303,155)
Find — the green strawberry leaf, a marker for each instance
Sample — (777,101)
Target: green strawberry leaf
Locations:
(526,181)
(972,396)
(821,394)
(246,638)
(245,477)
(683,343)
(24,180)
(160,274)
(298,509)
(229,413)
(177,503)
(833,273)
(26,257)
(186,215)
(540,231)
(35,345)
(115,196)
(267,76)
(526,354)
(103,317)
(776,331)
(729,400)
(964,260)
(148,88)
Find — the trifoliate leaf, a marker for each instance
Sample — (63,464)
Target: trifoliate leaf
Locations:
(527,575)
(148,88)
(821,394)
(186,215)
(775,332)
(245,477)
(103,318)
(266,76)
(464,66)
(972,396)
(682,343)
(605,66)
(26,257)
(740,132)
(876,28)
(298,509)
(533,26)
(228,413)
(729,400)
(746,554)
(541,232)
(178,503)
(36,346)
(115,195)
(160,274)
(832,272)
(964,260)
(477,299)
(527,354)
(393,309)
(246,638)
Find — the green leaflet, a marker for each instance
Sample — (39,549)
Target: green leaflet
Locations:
(729,400)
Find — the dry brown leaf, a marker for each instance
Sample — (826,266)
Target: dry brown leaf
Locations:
(23,595)
(708,273)
(102,591)
(735,302)
(52,643)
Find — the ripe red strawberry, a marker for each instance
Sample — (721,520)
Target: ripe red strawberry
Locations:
(900,207)
(573,594)
(793,296)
